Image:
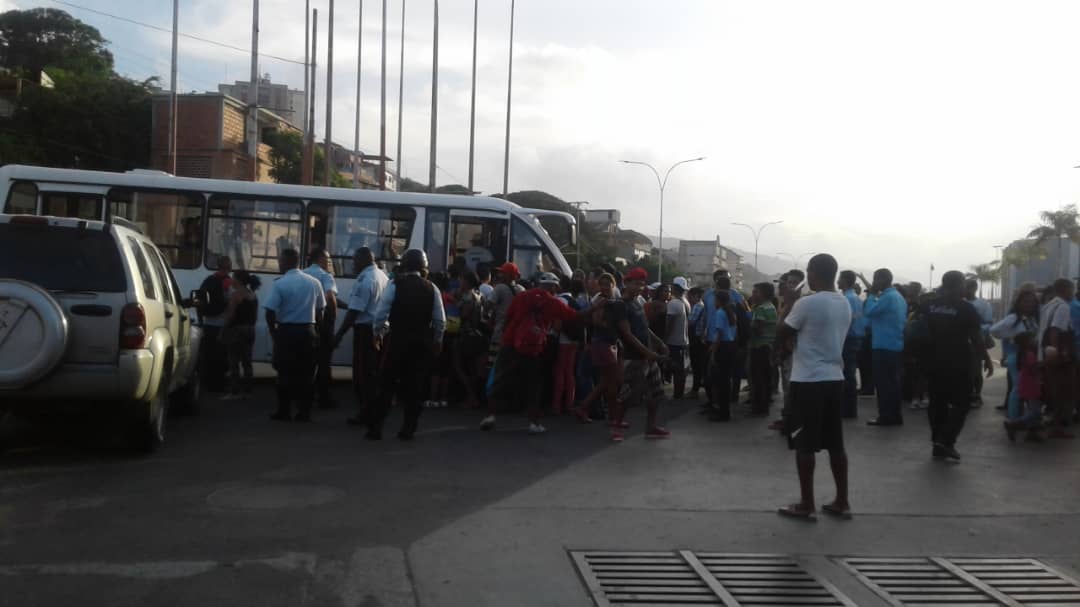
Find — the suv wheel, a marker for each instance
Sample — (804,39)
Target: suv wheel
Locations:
(147,431)
(185,401)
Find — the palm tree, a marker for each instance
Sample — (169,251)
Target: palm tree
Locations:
(986,272)
(1058,225)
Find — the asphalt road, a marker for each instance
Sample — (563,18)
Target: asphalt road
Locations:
(239,510)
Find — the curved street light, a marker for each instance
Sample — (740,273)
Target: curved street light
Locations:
(757,236)
(663,184)
(797,261)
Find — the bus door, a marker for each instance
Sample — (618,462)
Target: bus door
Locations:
(476,237)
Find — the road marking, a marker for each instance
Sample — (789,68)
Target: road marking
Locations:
(164,570)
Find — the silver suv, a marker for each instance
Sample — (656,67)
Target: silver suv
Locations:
(91,316)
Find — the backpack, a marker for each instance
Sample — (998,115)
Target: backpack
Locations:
(531,335)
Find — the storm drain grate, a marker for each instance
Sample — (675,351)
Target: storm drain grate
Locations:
(707,578)
(965,581)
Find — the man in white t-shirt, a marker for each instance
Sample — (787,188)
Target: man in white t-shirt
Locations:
(821,321)
(1059,370)
(676,335)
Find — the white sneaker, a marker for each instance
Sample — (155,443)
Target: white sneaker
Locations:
(488,423)
(536,429)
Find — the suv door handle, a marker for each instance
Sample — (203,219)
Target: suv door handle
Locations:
(169,314)
(183,318)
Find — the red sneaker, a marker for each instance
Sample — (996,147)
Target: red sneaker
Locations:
(777,425)
(658,432)
(623,424)
(617,437)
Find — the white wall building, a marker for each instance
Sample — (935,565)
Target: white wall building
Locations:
(701,258)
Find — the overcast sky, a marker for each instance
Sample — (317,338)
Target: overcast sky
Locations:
(894,134)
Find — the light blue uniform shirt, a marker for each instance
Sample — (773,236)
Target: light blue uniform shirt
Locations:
(326,279)
(887,314)
(858,323)
(721,329)
(366,293)
(295,298)
(382,313)
(710,308)
(697,320)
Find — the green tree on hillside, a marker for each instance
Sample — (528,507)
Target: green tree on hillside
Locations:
(35,39)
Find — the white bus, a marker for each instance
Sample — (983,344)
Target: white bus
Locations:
(196,221)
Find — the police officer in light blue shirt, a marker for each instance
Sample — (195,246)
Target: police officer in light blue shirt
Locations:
(886,311)
(293,311)
(363,301)
(319,269)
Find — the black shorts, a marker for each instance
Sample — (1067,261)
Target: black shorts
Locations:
(815,421)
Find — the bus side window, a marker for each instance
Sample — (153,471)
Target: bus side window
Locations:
(343,228)
(252,233)
(72,204)
(22,199)
(528,254)
(173,220)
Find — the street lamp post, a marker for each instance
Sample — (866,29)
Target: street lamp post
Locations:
(795,261)
(757,236)
(1000,251)
(663,184)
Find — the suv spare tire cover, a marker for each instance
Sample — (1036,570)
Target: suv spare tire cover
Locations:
(33,333)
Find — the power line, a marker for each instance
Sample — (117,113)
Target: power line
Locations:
(169,31)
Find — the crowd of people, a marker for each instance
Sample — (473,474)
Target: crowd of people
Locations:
(599,344)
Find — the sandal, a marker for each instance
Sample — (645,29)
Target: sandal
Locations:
(835,512)
(796,511)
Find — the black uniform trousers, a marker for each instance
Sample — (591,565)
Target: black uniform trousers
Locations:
(294,360)
(404,374)
(365,368)
(324,362)
(950,401)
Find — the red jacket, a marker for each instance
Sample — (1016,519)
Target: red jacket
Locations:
(524,305)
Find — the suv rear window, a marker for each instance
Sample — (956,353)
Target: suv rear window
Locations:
(60,258)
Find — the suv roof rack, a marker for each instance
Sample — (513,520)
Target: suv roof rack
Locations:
(124,222)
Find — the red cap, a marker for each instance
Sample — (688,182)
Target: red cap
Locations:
(510,269)
(637,274)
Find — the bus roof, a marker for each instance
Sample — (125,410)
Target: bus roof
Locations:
(161,180)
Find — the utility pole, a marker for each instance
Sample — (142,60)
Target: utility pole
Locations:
(382,106)
(253,95)
(308,167)
(434,100)
(401,93)
(472,103)
(328,147)
(359,160)
(307,66)
(509,93)
(173,78)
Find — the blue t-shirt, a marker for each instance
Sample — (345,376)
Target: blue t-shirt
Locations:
(721,329)
(887,314)
(1074,315)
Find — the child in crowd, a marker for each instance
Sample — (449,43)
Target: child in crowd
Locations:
(1030,389)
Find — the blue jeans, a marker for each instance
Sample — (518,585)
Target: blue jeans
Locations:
(850,404)
(887,366)
(1013,407)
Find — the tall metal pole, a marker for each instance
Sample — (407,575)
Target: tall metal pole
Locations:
(434,99)
(509,94)
(359,158)
(663,185)
(382,106)
(253,95)
(309,140)
(472,103)
(328,151)
(307,66)
(401,93)
(173,79)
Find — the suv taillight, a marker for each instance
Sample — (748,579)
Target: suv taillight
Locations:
(132,327)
